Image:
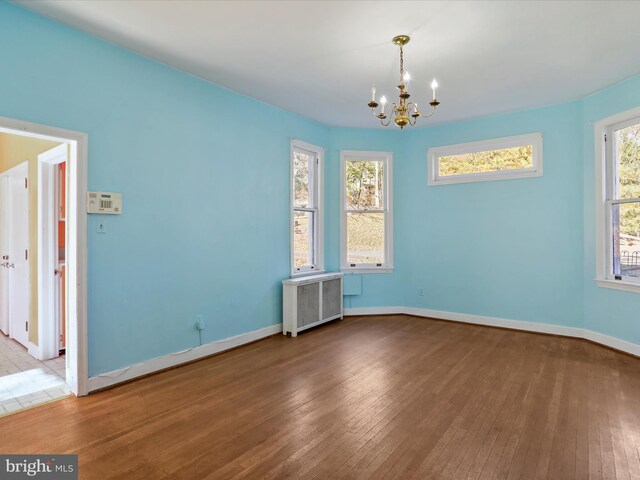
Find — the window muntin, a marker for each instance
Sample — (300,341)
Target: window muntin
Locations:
(502,158)
(306,215)
(622,157)
(366,236)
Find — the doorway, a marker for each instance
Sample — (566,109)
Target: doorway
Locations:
(43,258)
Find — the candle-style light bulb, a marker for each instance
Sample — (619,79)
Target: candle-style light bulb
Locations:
(406,77)
(373,92)
(383,102)
(434,85)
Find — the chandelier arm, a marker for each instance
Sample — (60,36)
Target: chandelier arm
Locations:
(433,110)
(392,112)
(385,124)
(377,115)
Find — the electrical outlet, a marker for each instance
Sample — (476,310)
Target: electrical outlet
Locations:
(199,323)
(102,226)
(421,292)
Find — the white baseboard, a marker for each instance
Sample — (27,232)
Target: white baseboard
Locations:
(150,366)
(374,311)
(139,369)
(613,342)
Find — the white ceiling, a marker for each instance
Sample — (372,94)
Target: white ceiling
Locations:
(319,58)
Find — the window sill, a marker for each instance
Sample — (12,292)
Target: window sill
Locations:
(367,270)
(619,285)
(483,177)
(307,273)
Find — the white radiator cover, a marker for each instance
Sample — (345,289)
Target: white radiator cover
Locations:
(310,301)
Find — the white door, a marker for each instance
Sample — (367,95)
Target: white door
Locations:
(18,231)
(4,253)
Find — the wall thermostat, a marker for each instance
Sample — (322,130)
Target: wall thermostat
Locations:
(104,202)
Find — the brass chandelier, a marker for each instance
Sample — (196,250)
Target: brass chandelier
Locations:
(401,112)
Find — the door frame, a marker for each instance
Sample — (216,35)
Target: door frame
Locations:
(77,373)
(48,293)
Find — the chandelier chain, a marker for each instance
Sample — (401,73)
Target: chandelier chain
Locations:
(401,65)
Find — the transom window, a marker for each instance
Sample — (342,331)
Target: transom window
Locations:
(306,208)
(504,158)
(367,225)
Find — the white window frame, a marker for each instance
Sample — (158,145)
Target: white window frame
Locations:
(434,154)
(387,197)
(317,178)
(604,158)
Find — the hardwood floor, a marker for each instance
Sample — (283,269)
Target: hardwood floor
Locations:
(388,397)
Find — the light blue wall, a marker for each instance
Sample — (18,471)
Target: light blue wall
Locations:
(204,174)
(380,289)
(612,312)
(514,249)
(509,248)
(488,248)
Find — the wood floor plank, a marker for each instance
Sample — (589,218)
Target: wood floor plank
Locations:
(379,397)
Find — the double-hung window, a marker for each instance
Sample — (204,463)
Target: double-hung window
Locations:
(307,235)
(618,159)
(366,241)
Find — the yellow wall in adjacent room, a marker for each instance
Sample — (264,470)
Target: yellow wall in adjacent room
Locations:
(15,149)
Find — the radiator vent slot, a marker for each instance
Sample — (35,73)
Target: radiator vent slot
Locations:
(331,298)
(308,304)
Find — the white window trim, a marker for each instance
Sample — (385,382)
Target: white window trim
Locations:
(434,154)
(387,158)
(319,217)
(603,174)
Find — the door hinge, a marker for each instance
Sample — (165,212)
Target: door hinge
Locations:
(26,254)
(605,137)
(26,183)
(26,326)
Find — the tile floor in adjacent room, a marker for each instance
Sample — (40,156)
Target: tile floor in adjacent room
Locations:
(25,381)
